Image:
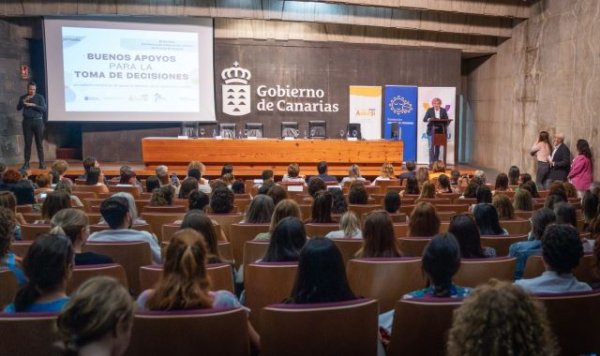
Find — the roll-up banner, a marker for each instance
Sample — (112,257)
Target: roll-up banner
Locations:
(448,97)
(400,120)
(365,109)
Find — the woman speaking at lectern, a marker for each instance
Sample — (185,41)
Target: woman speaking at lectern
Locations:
(435,112)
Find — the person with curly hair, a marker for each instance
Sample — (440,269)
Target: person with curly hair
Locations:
(358,194)
(162,196)
(315,185)
(523,201)
(340,205)
(561,250)
(504,207)
(387,173)
(499,318)
(222,200)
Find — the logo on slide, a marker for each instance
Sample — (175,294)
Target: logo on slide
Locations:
(236,91)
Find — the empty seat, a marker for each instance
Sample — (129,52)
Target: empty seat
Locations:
(239,234)
(193,332)
(30,232)
(220,275)
(8,287)
(81,274)
(413,246)
(28,334)
(157,220)
(476,271)
(344,328)
(385,279)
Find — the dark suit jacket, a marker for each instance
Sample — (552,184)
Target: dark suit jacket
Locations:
(562,164)
(430,114)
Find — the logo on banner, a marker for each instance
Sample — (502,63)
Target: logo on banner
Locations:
(400,105)
(236,90)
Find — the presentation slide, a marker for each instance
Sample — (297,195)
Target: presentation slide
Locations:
(129,71)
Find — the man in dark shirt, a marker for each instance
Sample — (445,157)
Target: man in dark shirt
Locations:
(34,107)
(322,169)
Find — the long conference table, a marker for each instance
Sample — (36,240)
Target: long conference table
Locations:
(251,156)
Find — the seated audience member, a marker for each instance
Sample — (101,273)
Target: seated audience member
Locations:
(54,202)
(63,186)
(513,175)
(554,199)
(387,173)
(200,222)
(260,210)
(277,193)
(8,201)
(470,191)
(74,224)
(455,179)
(286,241)
(184,284)
(483,194)
(412,187)
(340,206)
(504,207)
(152,182)
(321,276)
(95,177)
(465,230)
(349,228)
(221,201)
(9,260)
(570,190)
(566,214)
(227,169)
(264,188)
(589,205)
(135,217)
(267,175)
(499,318)
(22,189)
(196,169)
(128,177)
(43,182)
(353,175)
(440,262)
(198,201)
(293,174)
(378,237)
(410,167)
(228,179)
(285,208)
(522,200)
(422,175)
(427,191)
(188,186)
(322,170)
(487,220)
(444,186)
(561,251)
(501,183)
(424,221)
(47,266)
(531,188)
(98,318)
(358,194)
(88,162)
(162,196)
(481,175)
(162,173)
(321,208)
(314,185)
(392,202)
(115,211)
(238,187)
(60,167)
(533,246)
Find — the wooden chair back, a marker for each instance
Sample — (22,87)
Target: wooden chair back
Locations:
(29,232)
(220,275)
(24,208)
(384,184)
(169,229)
(456,208)
(435,201)
(445,216)
(320,230)
(157,220)
(226,220)
(421,326)
(406,208)
(584,272)
(501,243)
(96,189)
(267,283)
(476,271)
(102,227)
(306,210)
(127,188)
(169,209)
(413,246)
(566,314)
(206,331)
(239,234)
(9,288)
(348,247)
(83,273)
(384,279)
(20,248)
(362,209)
(130,255)
(516,227)
(254,251)
(28,334)
(346,328)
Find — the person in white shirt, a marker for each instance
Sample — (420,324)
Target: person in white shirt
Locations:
(115,211)
(561,251)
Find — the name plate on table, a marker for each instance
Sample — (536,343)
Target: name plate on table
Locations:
(295,188)
(182,137)
(252,138)
(352,139)
(289,138)
(218,137)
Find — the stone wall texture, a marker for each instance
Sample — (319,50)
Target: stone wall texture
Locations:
(546,77)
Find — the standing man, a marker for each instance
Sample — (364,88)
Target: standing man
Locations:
(435,112)
(34,107)
(560,160)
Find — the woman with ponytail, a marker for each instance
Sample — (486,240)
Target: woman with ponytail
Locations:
(47,266)
(184,283)
(74,224)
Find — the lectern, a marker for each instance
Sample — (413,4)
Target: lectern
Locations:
(441,138)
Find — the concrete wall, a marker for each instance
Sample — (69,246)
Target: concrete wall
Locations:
(546,77)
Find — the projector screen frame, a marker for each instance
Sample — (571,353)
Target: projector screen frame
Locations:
(136,117)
